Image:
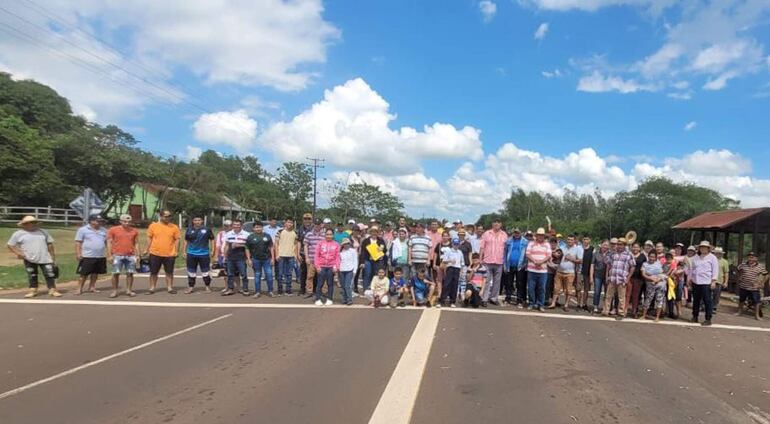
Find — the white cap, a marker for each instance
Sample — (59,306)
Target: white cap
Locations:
(227,222)
(351,221)
(327,221)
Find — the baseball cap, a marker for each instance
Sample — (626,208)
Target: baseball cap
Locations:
(227,222)
(649,243)
(351,221)
(455,240)
(614,240)
(95,217)
(516,230)
(752,254)
(307,215)
(318,221)
(540,231)
(327,221)
(692,248)
(448,225)
(125,217)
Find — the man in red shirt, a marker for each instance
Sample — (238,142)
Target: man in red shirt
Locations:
(122,246)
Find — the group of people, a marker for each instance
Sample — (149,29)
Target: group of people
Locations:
(395,265)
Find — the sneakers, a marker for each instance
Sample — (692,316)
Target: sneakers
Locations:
(706,323)
(540,309)
(31,293)
(328,302)
(228,293)
(257,295)
(244,292)
(319,303)
(54,293)
(452,305)
(270,294)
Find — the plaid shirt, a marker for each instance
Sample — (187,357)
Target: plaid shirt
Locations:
(619,266)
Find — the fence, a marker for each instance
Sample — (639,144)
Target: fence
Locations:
(44,214)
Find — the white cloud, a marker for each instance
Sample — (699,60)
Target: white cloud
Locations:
(350,128)
(687,95)
(192,153)
(690,126)
(488,9)
(552,74)
(483,189)
(707,43)
(262,42)
(235,129)
(598,83)
(541,31)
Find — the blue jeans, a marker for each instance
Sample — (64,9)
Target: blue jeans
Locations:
(598,287)
(536,288)
(325,275)
(346,281)
(285,268)
(260,265)
(237,266)
(370,269)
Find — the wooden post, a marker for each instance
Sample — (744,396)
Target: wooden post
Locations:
(755,235)
(767,251)
(740,248)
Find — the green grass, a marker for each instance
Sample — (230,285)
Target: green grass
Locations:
(12,273)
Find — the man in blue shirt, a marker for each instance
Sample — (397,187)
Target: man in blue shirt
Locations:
(199,247)
(514,271)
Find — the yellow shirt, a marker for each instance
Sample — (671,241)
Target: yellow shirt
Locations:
(287,241)
(164,239)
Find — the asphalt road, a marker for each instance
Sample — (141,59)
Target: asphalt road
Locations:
(207,359)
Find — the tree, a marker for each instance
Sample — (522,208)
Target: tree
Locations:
(27,172)
(658,203)
(363,200)
(39,106)
(295,179)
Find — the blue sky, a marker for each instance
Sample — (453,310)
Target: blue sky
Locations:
(496,94)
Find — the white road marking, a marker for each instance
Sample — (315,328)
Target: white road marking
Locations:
(237,305)
(107,358)
(609,319)
(397,401)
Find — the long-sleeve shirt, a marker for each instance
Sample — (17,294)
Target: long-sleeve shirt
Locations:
(380,286)
(381,246)
(348,260)
(620,266)
(704,269)
(327,254)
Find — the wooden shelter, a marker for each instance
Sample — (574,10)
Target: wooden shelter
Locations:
(721,224)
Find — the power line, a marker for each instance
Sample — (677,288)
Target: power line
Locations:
(106,61)
(59,20)
(73,59)
(316,164)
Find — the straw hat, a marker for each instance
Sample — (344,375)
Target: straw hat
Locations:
(29,219)
(705,243)
(540,231)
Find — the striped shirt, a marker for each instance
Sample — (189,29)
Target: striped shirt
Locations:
(751,277)
(620,264)
(311,240)
(421,247)
(539,252)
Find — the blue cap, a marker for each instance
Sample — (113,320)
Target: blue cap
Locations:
(455,240)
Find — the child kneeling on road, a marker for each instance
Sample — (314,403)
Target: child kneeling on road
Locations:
(377,295)
(398,289)
(422,289)
(477,274)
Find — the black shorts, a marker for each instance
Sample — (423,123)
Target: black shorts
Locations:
(89,266)
(167,262)
(744,294)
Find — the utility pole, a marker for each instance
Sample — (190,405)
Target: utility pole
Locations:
(316,164)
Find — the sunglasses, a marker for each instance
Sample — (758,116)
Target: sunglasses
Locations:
(166,216)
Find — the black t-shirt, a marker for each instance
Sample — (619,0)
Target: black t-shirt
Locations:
(588,256)
(259,246)
(467,249)
(640,260)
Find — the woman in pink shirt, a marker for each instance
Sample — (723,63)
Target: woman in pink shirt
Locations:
(327,260)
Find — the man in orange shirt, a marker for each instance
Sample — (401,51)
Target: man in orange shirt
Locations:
(123,245)
(162,239)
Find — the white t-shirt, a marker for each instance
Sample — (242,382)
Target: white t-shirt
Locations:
(34,245)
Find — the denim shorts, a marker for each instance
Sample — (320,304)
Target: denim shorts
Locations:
(126,263)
